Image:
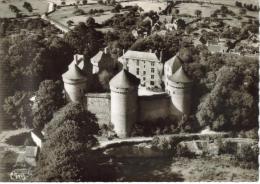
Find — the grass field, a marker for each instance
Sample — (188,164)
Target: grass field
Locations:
(64,14)
(39,7)
(147,5)
(216,169)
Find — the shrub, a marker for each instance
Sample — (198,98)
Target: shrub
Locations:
(79,12)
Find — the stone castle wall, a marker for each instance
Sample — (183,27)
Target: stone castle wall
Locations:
(149,107)
(99,104)
(153,107)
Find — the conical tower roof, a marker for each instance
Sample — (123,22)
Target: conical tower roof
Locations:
(124,79)
(180,76)
(74,74)
(174,63)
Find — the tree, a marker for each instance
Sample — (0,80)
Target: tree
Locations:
(198,13)
(28,6)
(181,24)
(90,21)
(84,40)
(70,23)
(67,153)
(48,99)
(176,11)
(18,107)
(84,2)
(14,9)
(242,11)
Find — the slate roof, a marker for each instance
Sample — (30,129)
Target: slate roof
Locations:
(38,134)
(174,63)
(100,56)
(74,73)
(124,79)
(31,151)
(180,76)
(147,56)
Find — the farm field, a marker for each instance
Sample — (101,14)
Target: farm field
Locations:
(39,7)
(208,9)
(64,14)
(147,5)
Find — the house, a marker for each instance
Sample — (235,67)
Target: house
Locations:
(145,66)
(102,61)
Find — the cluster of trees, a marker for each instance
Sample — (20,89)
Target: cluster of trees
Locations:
(226,91)
(67,153)
(250,7)
(26,56)
(36,26)
(187,124)
(28,6)
(15,10)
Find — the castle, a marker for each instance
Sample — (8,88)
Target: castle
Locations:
(127,104)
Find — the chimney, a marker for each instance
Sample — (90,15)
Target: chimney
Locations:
(123,51)
(161,54)
(76,58)
(105,50)
(150,50)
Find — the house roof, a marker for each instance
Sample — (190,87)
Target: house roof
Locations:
(124,79)
(38,134)
(180,76)
(147,56)
(31,151)
(74,73)
(100,56)
(78,60)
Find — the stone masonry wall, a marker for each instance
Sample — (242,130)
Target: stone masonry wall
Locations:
(99,104)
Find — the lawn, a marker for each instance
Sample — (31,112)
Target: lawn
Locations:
(39,7)
(64,14)
(147,5)
(218,168)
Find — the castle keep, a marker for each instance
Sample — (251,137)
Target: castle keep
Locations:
(127,103)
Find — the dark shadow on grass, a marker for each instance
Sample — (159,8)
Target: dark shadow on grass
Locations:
(156,169)
(18,140)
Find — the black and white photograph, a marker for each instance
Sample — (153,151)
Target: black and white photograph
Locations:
(129,90)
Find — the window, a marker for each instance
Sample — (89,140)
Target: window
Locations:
(143,78)
(137,62)
(152,63)
(137,71)
(152,76)
(152,83)
(144,72)
(152,70)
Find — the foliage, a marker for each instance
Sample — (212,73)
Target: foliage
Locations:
(79,12)
(168,44)
(28,6)
(18,108)
(75,112)
(66,155)
(232,103)
(84,40)
(48,99)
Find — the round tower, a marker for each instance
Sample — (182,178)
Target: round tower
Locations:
(124,107)
(179,86)
(74,83)
(170,67)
